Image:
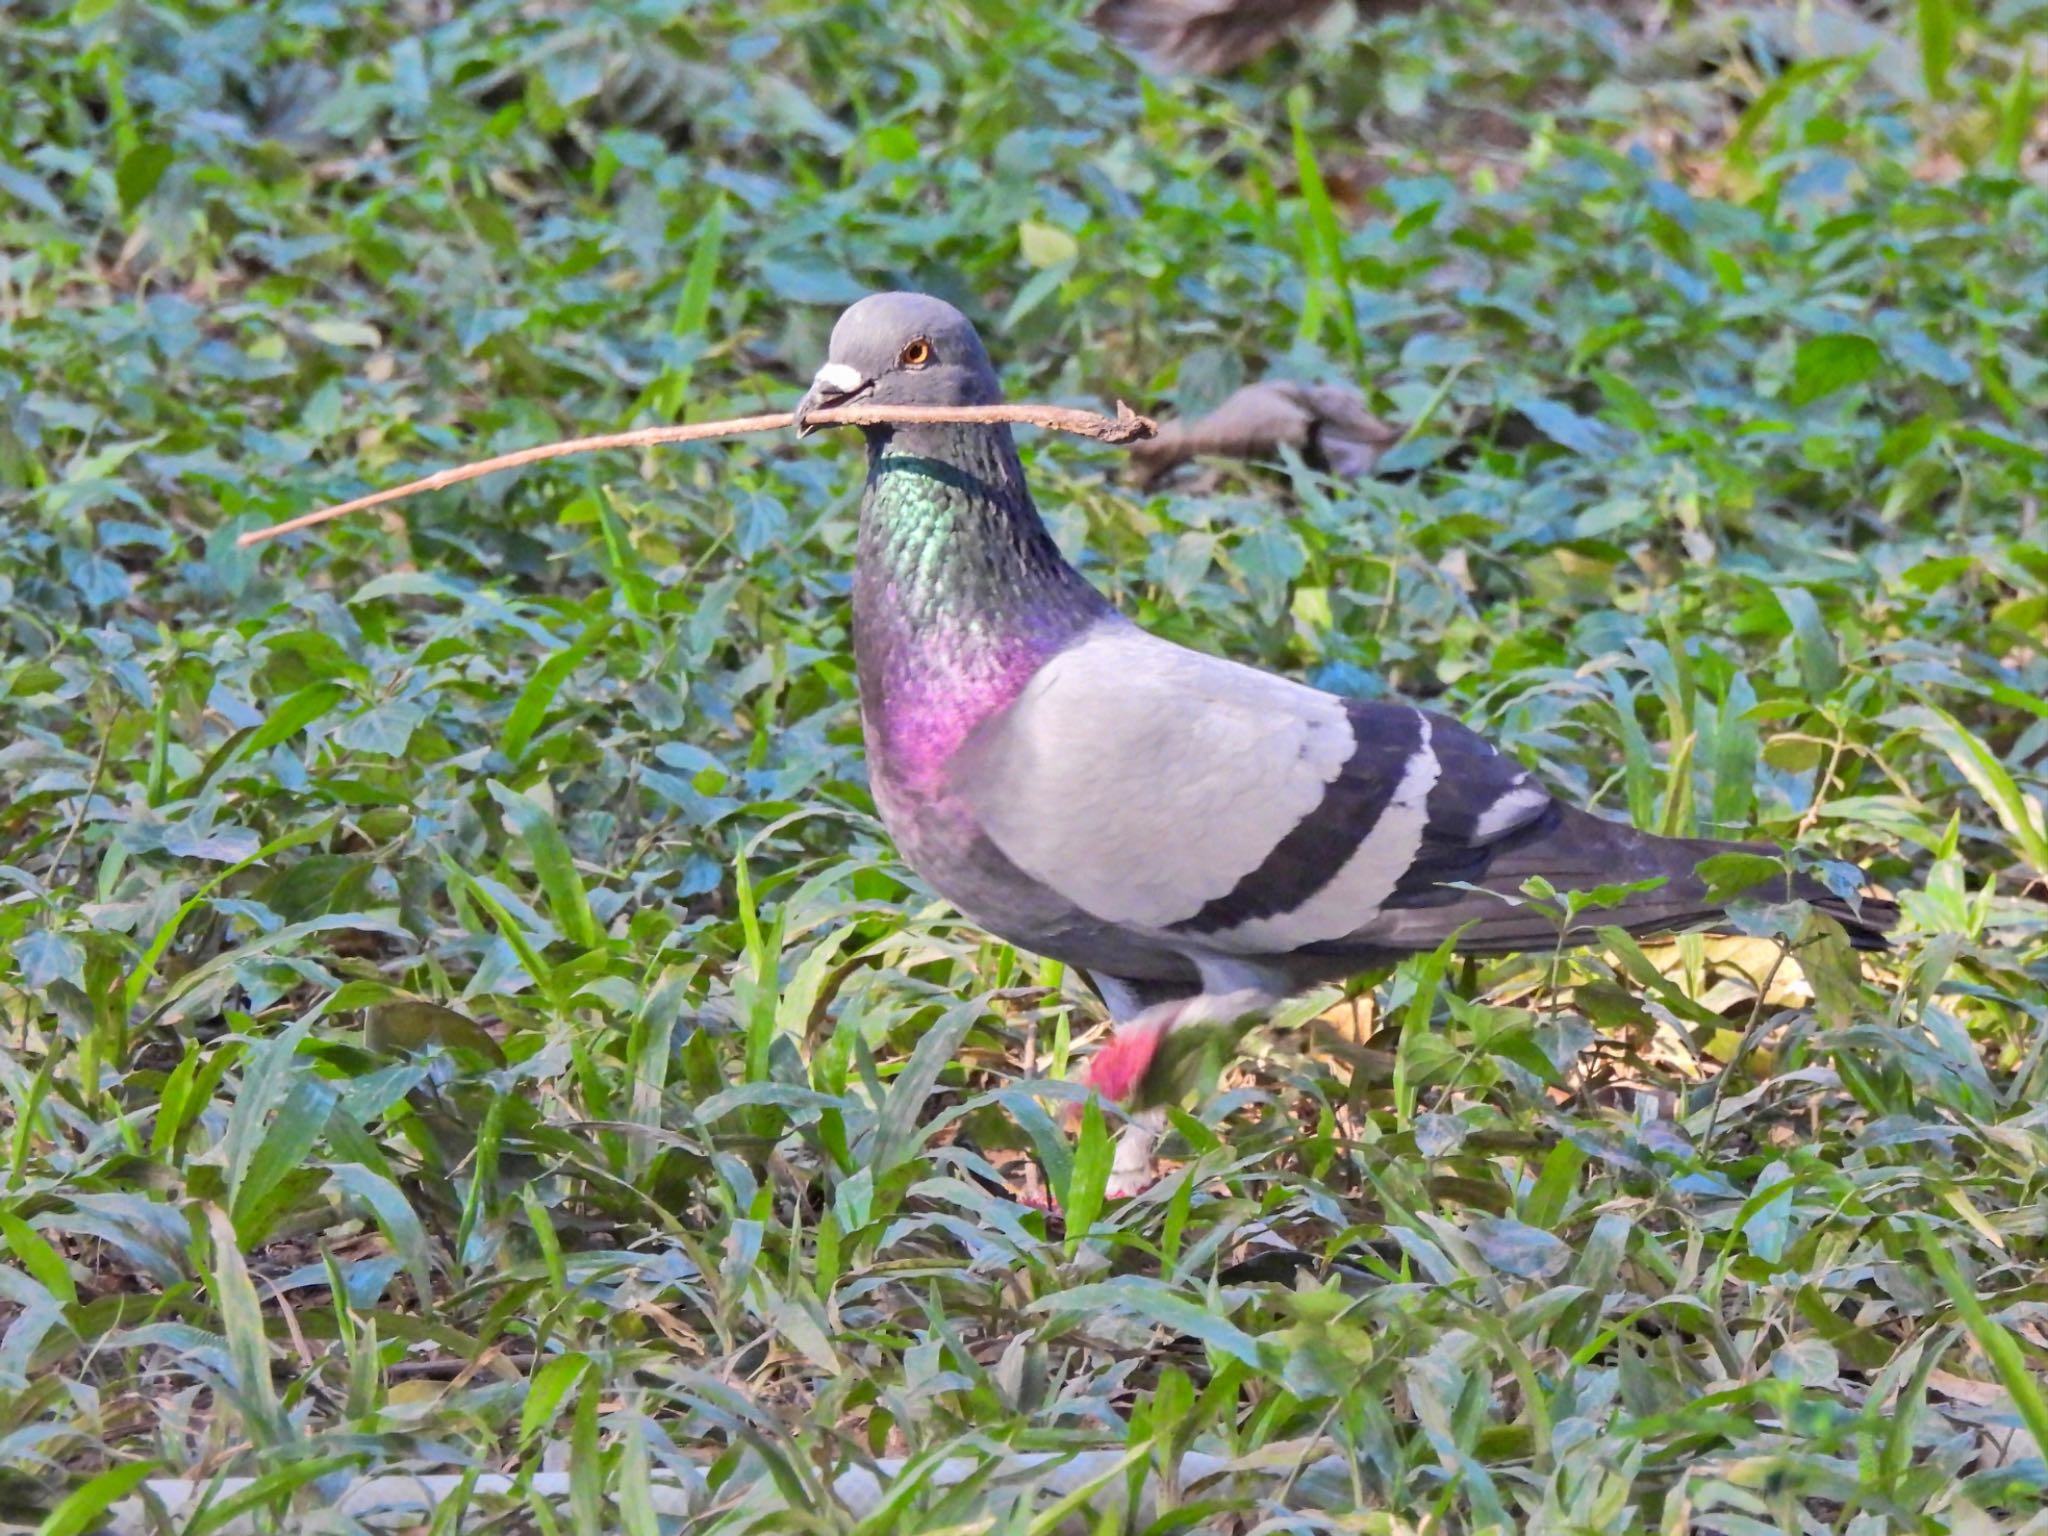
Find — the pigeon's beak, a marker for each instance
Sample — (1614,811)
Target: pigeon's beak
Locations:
(834,384)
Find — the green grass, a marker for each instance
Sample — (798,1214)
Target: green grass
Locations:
(459,1014)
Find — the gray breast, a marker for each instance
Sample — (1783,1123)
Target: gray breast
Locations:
(939,837)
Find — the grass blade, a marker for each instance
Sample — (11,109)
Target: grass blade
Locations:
(2018,813)
(1999,1346)
(553,865)
(241,1316)
(82,1508)
(534,700)
(1088,1180)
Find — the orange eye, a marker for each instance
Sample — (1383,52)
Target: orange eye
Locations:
(917,354)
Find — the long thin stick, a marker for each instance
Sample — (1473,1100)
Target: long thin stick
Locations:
(1127,426)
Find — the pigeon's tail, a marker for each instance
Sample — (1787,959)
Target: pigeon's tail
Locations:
(1579,851)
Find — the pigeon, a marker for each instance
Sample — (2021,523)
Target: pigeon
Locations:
(1327,424)
(1214,37)
(1199,837)
(1205,36)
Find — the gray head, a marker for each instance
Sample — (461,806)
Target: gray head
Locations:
(902,349)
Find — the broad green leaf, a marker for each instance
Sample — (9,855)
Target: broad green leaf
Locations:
(281,1152)
(395,1215)
(292,715)
(1551,1196)
(1825,365)
(792,1317)
(1732,874)
(384,729)
(144,972)
(140,171)
(28,1249)
(1820,662)
(635,1485)
(44,957)
(545,1390)
(1153,1302)
(1518,1249)
(1765,1219)
(586,1463)
(274,1068)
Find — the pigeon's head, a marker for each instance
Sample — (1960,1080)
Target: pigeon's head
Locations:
(901,349)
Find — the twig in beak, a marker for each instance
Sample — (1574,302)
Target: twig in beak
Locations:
(1127,426)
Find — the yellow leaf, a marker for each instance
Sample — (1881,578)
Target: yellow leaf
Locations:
(1045,245)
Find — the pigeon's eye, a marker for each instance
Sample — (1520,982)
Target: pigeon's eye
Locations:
(917,354)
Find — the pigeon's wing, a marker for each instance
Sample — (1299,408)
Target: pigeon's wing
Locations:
(1158,788)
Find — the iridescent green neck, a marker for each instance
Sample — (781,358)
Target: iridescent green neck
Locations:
(960,593)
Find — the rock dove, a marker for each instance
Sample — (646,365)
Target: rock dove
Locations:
(1199,837)
(1327,424)
(1205,36)
(1213,37)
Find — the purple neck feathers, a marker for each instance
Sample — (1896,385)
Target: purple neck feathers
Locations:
(960,594)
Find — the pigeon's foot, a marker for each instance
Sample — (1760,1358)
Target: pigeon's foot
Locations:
(1118,1071)
(1119,1068)
(1133,1169)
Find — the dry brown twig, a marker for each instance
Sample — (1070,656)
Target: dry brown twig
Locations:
(1127,426)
